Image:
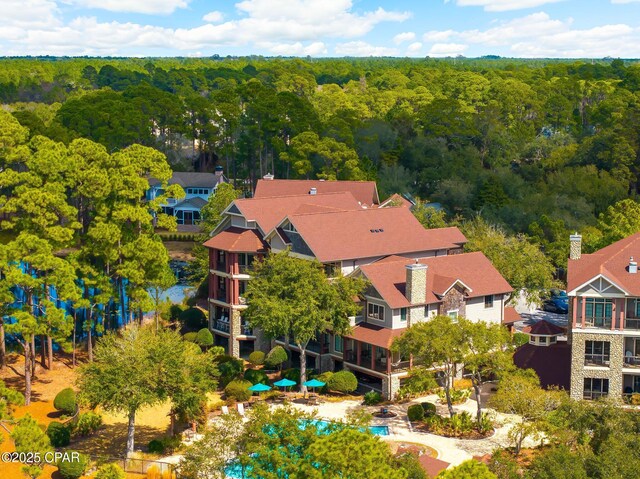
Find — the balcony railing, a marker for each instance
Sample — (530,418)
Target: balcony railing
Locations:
(244,268)
(632,323)
(598,322)
(350,356)
(594,394)
(246,330)
(400,366)
(221,326)
(596,360)
(632,361)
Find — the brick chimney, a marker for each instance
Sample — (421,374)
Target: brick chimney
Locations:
(416,287)
(575,250)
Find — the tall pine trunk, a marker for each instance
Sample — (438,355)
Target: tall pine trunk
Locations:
(303,368)
(89,345)
(3,346)
(73,351)
(43,351)
(50,351)
(131,432)
(27,371)
(33,355)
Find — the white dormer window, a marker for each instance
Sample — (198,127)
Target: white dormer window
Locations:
(375,311)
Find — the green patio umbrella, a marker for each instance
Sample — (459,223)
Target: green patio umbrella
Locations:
(284,383)
(314,383)
(260,388)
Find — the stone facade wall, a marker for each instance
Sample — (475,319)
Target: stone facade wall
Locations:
(390,386)
(235,329)
(579,371)
(326,363)
(262,342)
(416,286)
(454,299)
(415,315)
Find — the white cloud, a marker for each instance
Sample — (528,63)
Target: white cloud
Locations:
(151,7)
(447,49)
(363,49)
(503,5)
(539,35)
(213,17)
(280,26)
(436,36)
(404,37)
(624,1)
(414,48)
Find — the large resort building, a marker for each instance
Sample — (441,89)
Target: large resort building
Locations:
(413,273)
(604,312)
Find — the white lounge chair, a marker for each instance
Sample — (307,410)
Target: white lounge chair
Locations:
(240,408)
(225,409)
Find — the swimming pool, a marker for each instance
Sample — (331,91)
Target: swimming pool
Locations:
(234,470)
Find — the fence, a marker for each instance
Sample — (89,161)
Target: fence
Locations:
(140,466)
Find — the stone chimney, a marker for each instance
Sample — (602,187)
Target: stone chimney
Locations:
(575,250)
(416,287)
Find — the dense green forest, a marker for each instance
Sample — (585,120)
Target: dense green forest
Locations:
(537,147)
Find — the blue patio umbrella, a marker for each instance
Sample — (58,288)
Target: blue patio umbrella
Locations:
(260,388)
(314,383)
(283,383)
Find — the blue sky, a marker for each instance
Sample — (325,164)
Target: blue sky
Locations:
(511,28)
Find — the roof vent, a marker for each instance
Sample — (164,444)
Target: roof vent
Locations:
(633,266)
(268,176)
(313,191)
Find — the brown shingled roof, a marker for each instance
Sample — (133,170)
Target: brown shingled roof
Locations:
(367,233)
(612,262)
(237,240)
(475,270)
(376,335)
(268,212)
(545,328)
(432,465)
(551,363)
(365,192)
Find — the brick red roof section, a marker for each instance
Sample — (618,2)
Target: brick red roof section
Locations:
(510,315)
(367,233)
(268,212)
(365,192)
(545,328)
(376,335)
(396,200)
(551,363)
(238,240)
(432,465)
(475,270)
(612,262)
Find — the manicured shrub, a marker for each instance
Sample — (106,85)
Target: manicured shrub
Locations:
(520,339)
(276,357)
(191,336)
(193,318)
(72,469)
(174,312)
(415,412)
(324,377)
(229,368)
(204,338)
(88,422)
(429,409)
(155,446)
(372,398)
(343,381)
(59,434)
(238,389)
(458,396)
(255,376)
(110,471)
(257,358)
(65,401)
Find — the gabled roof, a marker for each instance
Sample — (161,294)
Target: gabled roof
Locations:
(611,263)
(545,328)
(396,200)
(190,179)
(369,233)
(195,202)
(269,212)
(365,192)
(474,270)
(237,240)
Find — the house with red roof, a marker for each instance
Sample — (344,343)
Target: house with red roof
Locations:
(604,310)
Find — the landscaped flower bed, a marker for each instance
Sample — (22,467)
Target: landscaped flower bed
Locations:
(461,425)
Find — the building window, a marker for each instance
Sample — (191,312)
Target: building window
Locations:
(453,314)
(596,352)
(337,343)
(426,311)
(488,301)
(542,339)
(221,258)
(595,388)
(403,314)
(598,312)
(221,283)
(375,311)
(332,269)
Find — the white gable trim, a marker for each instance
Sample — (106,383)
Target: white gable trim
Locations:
(574,292)
(457,281)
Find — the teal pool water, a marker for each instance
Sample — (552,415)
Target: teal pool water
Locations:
(234,471)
